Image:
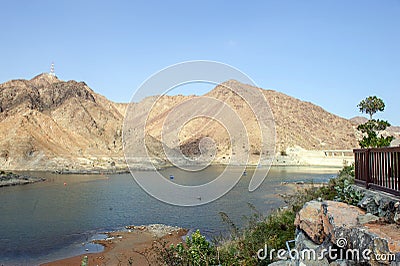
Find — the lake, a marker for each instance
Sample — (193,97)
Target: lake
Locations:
(51,220)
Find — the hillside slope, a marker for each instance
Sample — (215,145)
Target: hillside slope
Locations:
(309,126)
(49,124)
(46,123)
(297,124)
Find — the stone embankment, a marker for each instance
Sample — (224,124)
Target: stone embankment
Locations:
(381,204)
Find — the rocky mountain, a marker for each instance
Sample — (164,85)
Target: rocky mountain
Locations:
(357,120)
(309,126)
(297,123)
(47,123)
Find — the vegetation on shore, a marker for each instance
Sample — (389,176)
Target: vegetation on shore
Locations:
(241,247)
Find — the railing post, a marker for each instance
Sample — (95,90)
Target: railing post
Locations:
(356,165)
(367,168)
(398,171)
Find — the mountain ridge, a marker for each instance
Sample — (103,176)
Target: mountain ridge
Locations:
(50,124)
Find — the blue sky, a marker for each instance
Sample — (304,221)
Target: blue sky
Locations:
(331,53)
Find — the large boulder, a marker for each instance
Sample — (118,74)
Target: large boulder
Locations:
(309,219)
(346,227)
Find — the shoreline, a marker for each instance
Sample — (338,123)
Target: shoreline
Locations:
(88,171)
(135,244)
(8,179)
(127,170)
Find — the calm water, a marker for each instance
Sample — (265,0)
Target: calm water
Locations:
(46,221)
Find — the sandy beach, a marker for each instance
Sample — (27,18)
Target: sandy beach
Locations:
(131,247)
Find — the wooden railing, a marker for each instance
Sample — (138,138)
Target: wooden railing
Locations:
(378,168)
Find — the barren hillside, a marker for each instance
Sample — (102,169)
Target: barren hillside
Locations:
(46,123)
(297,124)
(309,126)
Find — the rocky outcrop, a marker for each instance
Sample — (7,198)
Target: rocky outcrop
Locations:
(330,224)
(50,124)
(11,179)
(158,230)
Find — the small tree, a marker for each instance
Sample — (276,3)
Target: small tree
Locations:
(371,105)
(372,128)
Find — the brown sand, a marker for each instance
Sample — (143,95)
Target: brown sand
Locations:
(134,246)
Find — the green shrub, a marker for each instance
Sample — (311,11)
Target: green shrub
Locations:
(197,251)
(347,171)
(84,261)
(346,193)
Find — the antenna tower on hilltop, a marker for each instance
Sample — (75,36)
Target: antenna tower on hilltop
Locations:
(52,70)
